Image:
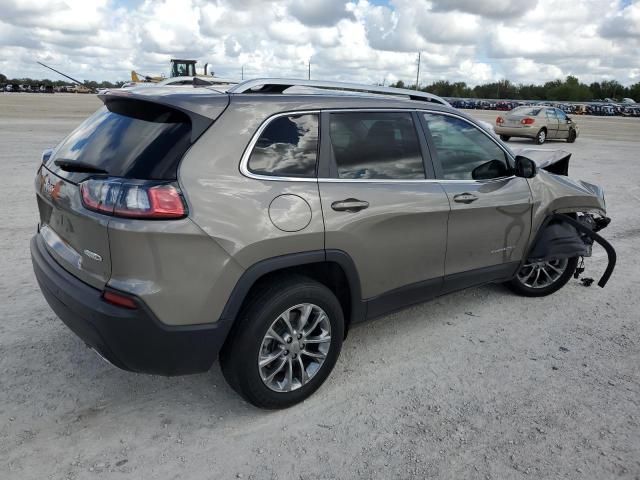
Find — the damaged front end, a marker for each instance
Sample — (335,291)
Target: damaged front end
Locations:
(563,236)
(567,214)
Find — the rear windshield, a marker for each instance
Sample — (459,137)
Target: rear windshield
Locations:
(125,138)
(532,111)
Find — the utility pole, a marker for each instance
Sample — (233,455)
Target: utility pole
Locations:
(309,74)
(418,73)
(242,72)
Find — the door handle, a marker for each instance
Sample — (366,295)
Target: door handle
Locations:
(465,198)
(349,205)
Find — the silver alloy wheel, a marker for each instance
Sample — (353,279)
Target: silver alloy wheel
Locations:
(542,136)
(294,347)
(542,274)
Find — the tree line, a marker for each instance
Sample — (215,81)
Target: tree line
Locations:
(570,89)
(31,82)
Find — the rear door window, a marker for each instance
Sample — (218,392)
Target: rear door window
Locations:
(376,145)
(126,138)
(287,147)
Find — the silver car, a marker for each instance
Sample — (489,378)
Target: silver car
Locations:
(539,123)
(182,225)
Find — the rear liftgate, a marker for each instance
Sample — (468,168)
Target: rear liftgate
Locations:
(561,236)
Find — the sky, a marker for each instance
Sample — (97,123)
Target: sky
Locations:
(369,41)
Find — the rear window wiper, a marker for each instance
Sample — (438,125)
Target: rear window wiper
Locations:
(77,166)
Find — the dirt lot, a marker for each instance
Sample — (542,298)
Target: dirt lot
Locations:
(476,385)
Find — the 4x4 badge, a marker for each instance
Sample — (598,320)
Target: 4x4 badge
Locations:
(93,255)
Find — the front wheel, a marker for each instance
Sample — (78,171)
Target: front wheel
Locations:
(538,279)
(285,344)
(572,136)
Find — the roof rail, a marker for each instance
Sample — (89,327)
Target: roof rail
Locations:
(279,85)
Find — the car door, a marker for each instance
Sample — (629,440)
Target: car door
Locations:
(379,207)
(563,124)
(552,122)
(490,219)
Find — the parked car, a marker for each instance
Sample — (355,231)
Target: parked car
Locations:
(631,111)
(178,225)
(538,123)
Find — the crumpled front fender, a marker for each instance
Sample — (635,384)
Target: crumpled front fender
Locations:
(559,194)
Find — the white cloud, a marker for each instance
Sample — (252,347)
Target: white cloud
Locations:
(320,13)
(358,40)
(497,9)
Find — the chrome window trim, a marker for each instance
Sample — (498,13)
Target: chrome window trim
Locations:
(244,161)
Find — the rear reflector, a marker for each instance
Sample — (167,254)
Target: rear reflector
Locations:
(133,198)
(119,299)
(527,121)
(499,120)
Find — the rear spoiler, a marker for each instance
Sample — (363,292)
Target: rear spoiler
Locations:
(202,108)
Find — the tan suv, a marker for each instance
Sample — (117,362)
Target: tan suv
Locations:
(179,225)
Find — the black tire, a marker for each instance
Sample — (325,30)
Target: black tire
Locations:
(540,137)
(572,136)
(505,138)
(517,286)
(239,357)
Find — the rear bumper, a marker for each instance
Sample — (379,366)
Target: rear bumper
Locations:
(530,132)
(133,340)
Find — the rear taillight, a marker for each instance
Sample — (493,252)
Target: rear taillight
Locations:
(499,120)
(527,121)
(133,198)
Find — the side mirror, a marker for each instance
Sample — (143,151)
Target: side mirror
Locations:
(489,170)
(525,167)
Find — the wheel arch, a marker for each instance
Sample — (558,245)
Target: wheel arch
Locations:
(333,268)
(572,243)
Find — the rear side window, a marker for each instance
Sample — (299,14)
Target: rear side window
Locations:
(287,147)
(127,138)
(376,145)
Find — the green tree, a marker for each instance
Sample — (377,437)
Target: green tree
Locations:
(611,89)
(634,92)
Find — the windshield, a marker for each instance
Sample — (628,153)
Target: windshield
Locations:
(126,138)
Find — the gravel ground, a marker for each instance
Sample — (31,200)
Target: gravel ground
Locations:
(480,384)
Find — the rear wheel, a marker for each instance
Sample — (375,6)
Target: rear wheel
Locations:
(285,344)
(572,136)
(541,136)
(538,279)
(505,138)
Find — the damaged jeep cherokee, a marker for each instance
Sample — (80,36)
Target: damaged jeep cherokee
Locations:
(179,226)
